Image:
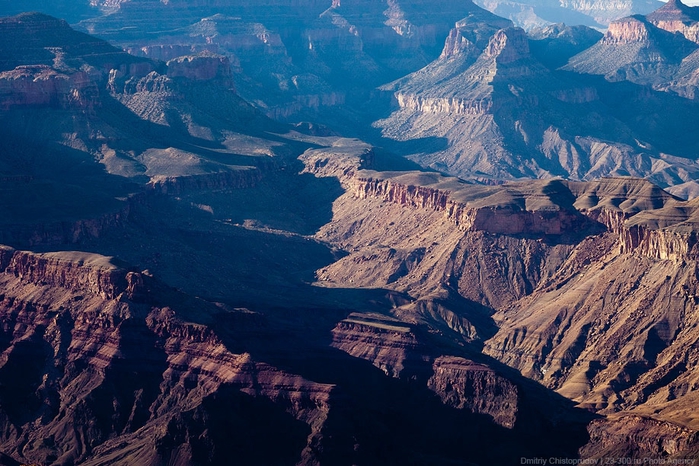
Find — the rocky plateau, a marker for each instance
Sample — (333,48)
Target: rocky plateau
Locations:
(347,232)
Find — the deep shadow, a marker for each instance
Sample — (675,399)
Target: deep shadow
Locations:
(375,419)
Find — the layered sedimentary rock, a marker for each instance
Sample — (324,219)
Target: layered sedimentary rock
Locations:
(389,344)
(675,16)
(471,112)
(463,384)
(295,57)
(649,438)
(342,160)
(42,86)
(87,317)
(56,66)
(202,67)
(657,50)
(636,49)
(234,179)
(606,318)
(495,210)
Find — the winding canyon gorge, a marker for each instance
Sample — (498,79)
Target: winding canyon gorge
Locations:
(349,232)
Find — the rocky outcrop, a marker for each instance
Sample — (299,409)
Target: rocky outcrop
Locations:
(446,105)
(596,201)
(506,218)
(393,346)
(74,271)
(342,160)
(675,16)
(659,244)
(639,437)
(201,67)
(626,31)
(507,222)
(389,344)
(508,46)
(95,342)
(49,64)
(463,384)
(232,179)
(457,44)
(299,103)
(66,231)
(42,86)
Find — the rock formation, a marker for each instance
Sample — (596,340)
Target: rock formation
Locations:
(186,281)
(605,318)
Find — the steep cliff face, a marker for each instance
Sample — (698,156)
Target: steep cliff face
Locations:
(75,321)
(638,437)
(78,272)
(203,67)
(394,347)
(454,106)
(509,218)
(67,231)
(53,65)
(656,50)
(234,179)
(658,244)
(507,46)
(342,160)
(675,16)
(607,319)
(473,111)
(41,86)
(433,263)
(388,344)
(463,384)
(626,31)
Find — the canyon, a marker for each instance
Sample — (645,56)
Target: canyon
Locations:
(347,232)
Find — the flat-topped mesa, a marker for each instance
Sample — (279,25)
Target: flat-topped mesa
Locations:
(612,201)
(204,66)
(464,384)
(42,86)
(75,271)
(342,160)
(675,16)
(389,344)
(530,208)
(627,30)
(668,233)
(648,220)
